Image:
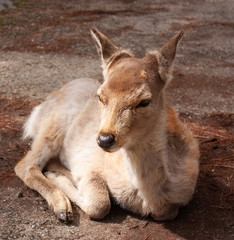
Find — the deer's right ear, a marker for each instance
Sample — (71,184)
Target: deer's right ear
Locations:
(166,55)
(104,46)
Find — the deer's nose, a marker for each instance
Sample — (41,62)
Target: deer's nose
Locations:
(106,140)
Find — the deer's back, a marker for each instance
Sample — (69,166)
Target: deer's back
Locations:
(61,106)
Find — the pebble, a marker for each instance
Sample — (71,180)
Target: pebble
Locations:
(8,213)
(20,195)
(6,4)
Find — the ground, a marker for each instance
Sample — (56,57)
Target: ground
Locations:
(44,44)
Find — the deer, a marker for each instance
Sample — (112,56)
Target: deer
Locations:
(119,139)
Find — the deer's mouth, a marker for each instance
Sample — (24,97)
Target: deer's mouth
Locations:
(111,150)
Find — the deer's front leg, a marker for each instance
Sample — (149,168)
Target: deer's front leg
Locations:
(95,195)
(29,169)
(165,212)
(32,176)
(91,194)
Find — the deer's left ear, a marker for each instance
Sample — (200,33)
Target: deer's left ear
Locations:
(104,46)
(166,55)
(107,50)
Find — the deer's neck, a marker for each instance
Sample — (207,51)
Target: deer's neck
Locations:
(146,163)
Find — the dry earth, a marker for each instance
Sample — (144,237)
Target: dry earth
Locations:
(44,44)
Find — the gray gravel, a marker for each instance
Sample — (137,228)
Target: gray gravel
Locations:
(33,76)
(6,4)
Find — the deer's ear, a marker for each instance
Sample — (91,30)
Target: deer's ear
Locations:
(166,55)
(104,46)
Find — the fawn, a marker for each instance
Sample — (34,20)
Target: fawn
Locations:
(119,140)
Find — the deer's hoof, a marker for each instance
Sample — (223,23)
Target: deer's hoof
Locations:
(63,215)
(169,215)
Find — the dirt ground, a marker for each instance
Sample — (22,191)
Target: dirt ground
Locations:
(44,44)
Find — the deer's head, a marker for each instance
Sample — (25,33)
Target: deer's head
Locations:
(131,96)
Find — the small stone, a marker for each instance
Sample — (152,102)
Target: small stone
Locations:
(8,213)
(20,195)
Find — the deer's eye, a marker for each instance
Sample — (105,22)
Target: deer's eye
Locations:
(99,98)
(143,103)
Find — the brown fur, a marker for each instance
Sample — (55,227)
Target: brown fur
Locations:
(151,167)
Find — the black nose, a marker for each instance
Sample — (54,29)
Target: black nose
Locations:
(106,140)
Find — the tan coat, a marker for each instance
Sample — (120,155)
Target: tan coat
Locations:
(119,139)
